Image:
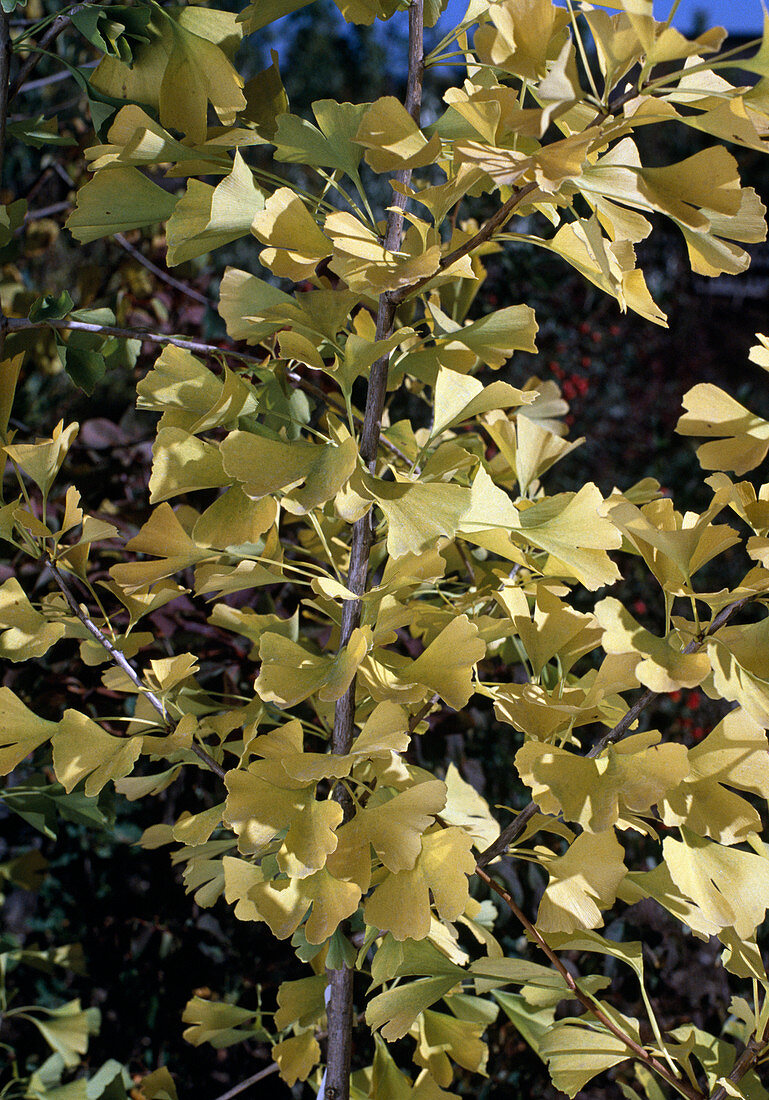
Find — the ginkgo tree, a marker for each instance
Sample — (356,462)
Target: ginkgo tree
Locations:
(416,549)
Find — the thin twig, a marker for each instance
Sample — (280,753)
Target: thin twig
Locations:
(249,1081)
(754,1050)
(592,1006)
(164,276)
(123,663)
(512,831)
(21,324)
(423,711)
(489,227)
(45,43)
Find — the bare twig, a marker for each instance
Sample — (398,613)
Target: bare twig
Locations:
(31,62)
(487,230)
(754,1050)
(512,831)
(592,1006)
(249,1081)
(123,663)
(21,324)
(164,276)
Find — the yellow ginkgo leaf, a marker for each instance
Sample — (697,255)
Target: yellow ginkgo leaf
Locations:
(181,70)
(297,1056)
(162,536)
(392,138)
(182,463)
(265,466)
(446,665)
(419,513)
(742,438)
(661,666)
(310,839)
(291,673)
(24,632)
(295,244)
(466,808)
(442,1037)
(596,793)
(522,36)
(740,662)
(582,883)
(401,904)
(83,750)
(734,754)
(460,397)
(333,900)
(730,886)
(42,461)
(21,731)
(207,217)
(394,827)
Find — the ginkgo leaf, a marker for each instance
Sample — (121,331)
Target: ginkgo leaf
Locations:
(596,793)
(208,217)
(460,397)
(263,466)
(296,1057)
(66,1029)
(243,297)
(598,1050)
(582,883)
(392,138)
(181,70)
(552,628)
(82,749)
(466,808)
(661,666)
(394,828)
(418,513)
(334,145)
(742,437)
(734,754)
(394,1011)
(189,395)
(446,665)
(295,244)
(219,1023)
(301,1002)
(740,663)
(263,801)
(22,730)
(401,904)
(730,886)
(116,200)
(291,673)
(182,463)
(42,461)
(25,633)
(443,1037)
(521,37)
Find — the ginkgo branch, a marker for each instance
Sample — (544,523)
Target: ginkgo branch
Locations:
(164,276)
(487,230)
(592,1006)
(516,827)
(123,663)
(755,1049)
(67,324)
(339,1005)
(33,57)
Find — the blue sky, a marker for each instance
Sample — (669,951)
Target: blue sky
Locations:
(739,16)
